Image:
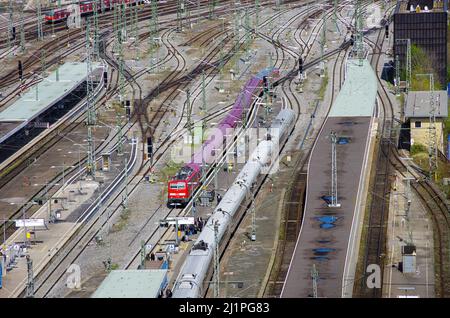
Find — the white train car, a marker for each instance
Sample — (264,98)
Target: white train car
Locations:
(195,268)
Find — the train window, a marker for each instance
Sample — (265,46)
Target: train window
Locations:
(418,124)
(178,186)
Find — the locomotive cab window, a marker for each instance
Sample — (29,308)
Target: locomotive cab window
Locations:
(177,185)
(418,124)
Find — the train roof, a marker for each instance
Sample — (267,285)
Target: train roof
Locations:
(183,173)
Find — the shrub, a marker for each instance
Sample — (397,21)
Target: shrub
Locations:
(418,148)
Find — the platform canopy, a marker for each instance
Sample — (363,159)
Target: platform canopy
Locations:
(358,94)
(141,283)
(50,91)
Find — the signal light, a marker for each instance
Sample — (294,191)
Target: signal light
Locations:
(150,146)
(20,70)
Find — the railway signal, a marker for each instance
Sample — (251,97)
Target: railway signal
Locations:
(150,147)
(386,32)
(20,71)
(105,79)
(300,65)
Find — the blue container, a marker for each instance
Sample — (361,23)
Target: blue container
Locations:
(448,88)
(448,147)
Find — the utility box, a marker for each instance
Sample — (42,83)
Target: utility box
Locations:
(409,259)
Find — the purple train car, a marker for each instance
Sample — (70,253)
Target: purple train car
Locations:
(182,186)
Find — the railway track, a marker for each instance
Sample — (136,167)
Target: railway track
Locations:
(167,141)
(388,161)
(161,87)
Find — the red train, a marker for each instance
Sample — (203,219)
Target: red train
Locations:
(183,185)
(86,7)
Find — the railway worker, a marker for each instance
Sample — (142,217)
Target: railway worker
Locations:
(271,187)
(219,198)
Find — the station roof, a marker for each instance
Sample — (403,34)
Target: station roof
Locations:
(418,104)
(357,95)
(140,283)
(49,90)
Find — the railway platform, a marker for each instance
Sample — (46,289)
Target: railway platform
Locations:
(405,225)
(328,235)
(46,242)
(42,105)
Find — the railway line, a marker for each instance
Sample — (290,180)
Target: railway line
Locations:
(47,145)
(152,105)
(157,157)
(389,161)
(129,77)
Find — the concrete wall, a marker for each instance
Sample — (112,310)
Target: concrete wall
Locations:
(420,135)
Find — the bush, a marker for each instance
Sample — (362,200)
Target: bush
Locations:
(418,148)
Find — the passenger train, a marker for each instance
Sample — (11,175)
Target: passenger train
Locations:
(195,269)
(184,184)
(86,7)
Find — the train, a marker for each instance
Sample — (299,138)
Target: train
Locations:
(187,180)
(196,265)
(86,7)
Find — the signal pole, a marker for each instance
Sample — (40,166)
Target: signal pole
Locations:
(30,278)
(315,277)
(10,35)
(359,43)
(22,31)
(90,105)
(180,9)
(397,75)
(408,63)
(323,42)
(257,9)
(253,237)
(212,6)
(432,147)
(216,260)
(96,53)
(334,197)
(39,20)
(125,198)
(204,106)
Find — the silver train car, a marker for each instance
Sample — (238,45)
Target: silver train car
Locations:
(189,283)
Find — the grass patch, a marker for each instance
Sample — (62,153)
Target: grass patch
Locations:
(124,216)
(114,266)
(323,86)
(417,148)
(422,63)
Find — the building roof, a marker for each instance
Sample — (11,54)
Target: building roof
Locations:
(357,96)
(418,104)
(140,283)
(404,6)
(49,90)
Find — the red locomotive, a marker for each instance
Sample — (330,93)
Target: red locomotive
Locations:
(86,7)
(183,185)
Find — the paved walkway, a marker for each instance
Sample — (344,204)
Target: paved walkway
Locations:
(421,283)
